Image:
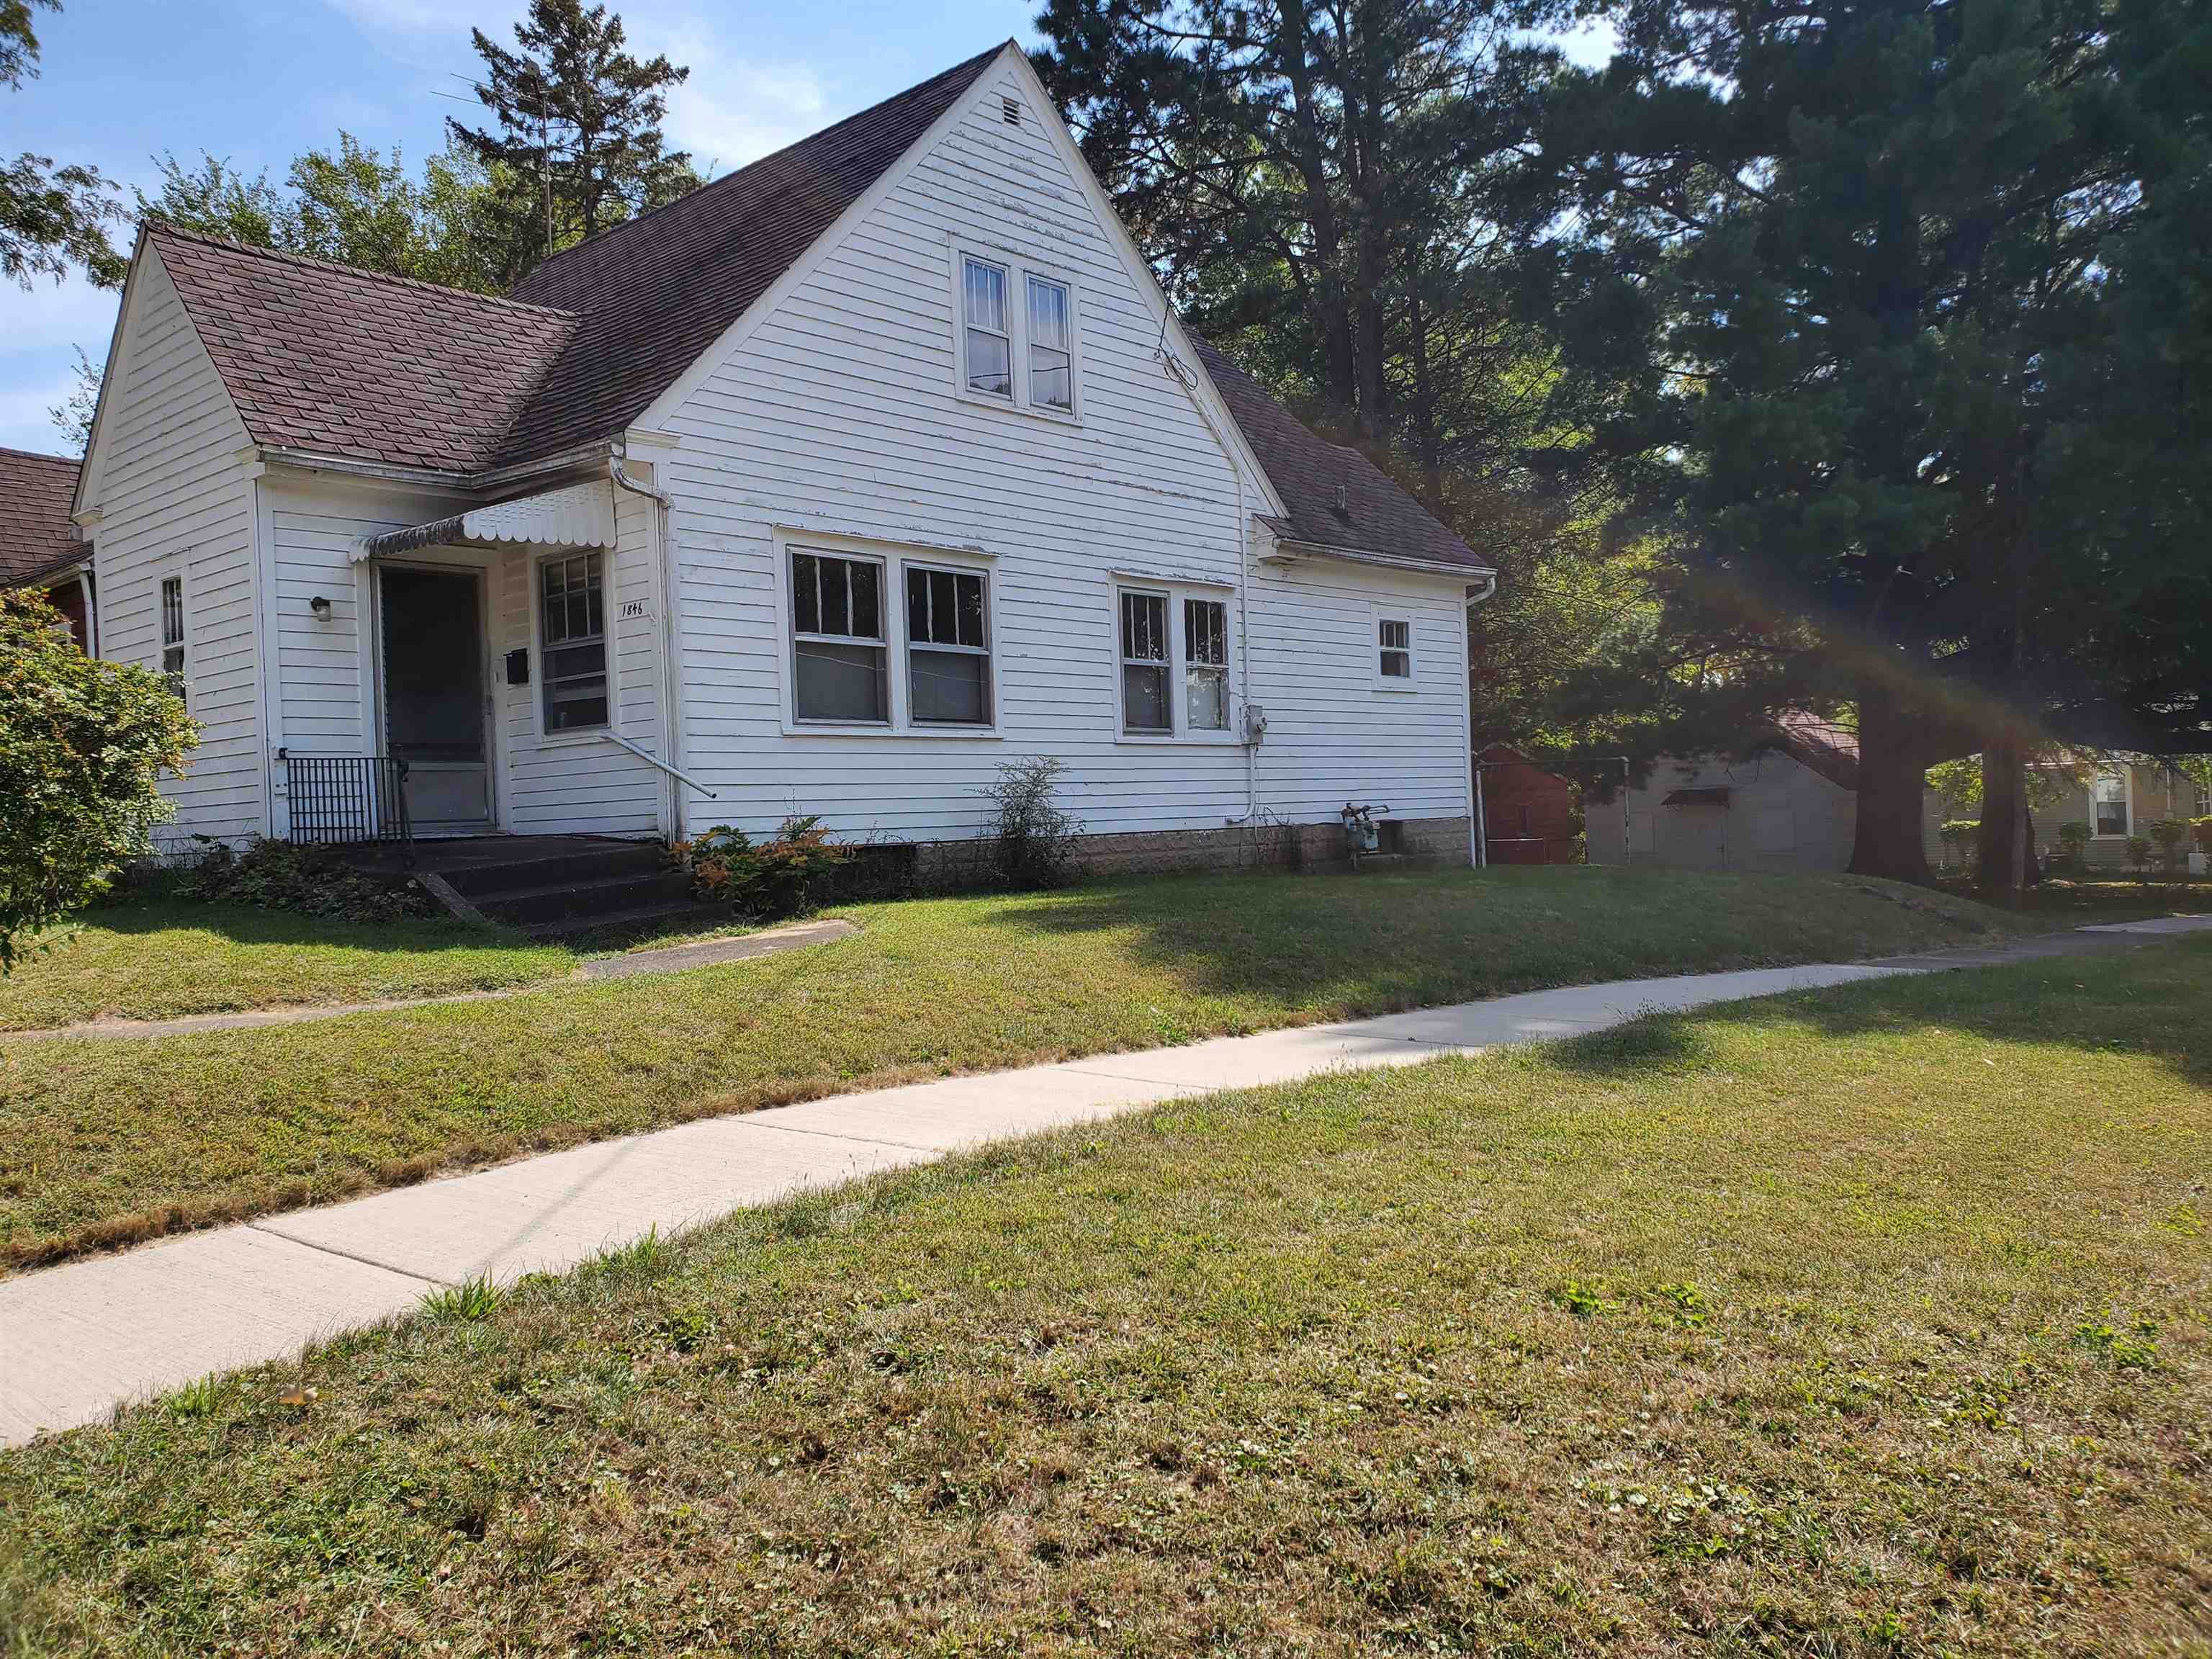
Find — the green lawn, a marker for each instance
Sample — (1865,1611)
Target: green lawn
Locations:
(107,1141)
(158,958)
(1868,1322)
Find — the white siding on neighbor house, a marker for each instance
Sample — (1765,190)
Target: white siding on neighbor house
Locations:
(175,497)
(2154,792)
(1781,815)
(837,416)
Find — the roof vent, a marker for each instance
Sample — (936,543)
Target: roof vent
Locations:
(1012,109)
(1343,502)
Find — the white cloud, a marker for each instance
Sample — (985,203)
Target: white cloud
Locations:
(38,354)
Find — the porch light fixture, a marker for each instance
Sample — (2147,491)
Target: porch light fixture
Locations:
(321,607)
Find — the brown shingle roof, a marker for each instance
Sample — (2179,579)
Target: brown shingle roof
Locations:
(35,533)
(1307,471)
(656,291)
(324,358)
(1820,745)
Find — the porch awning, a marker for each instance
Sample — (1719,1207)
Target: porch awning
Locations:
(581,515)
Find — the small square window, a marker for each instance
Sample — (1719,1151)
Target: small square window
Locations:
(1395,643)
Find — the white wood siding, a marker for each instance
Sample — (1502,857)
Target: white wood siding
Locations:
(838,415)
(176,496)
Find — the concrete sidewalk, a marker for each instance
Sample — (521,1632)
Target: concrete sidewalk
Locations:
(79,1339)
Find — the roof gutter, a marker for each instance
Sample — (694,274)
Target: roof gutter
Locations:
(1291,548)
(568,461)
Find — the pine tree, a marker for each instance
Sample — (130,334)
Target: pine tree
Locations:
(577,124)
(1856,261)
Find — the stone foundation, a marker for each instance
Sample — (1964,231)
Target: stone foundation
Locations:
(946,865)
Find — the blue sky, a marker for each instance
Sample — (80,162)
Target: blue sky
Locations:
(259,81)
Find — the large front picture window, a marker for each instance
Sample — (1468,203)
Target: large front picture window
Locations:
(572,638)
(948,648)
(839,671)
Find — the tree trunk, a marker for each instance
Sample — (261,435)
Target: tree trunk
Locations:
(2002,867)
(1892,780)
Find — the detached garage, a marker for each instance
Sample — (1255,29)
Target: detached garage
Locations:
(1793,805)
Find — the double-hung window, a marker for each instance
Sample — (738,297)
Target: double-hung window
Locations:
(1394,646)
(172,631)
(572,623)
(1145,711)
(948,651)
(1206,665)
(1052,342)
(840,669)
(2108,798)
(990,344)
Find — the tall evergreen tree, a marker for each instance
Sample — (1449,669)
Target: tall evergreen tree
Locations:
(1854,261)
(577,119)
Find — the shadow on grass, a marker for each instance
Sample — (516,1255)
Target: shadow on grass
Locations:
(2151,1002)
(1381,942)
(248,924)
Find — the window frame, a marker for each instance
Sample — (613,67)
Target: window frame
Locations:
(540,652)
(1009,278)
(2124,777)
(1019,274)
(1175,592)
(894,558)
(181,675)
(987,651)
(1220,671)
(1378,616)
(793,638)
(1031,282)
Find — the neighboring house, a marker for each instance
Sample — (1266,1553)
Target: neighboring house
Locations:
(825,489)
(1791,806)
(39,547)
(1530,815)
(2124,795)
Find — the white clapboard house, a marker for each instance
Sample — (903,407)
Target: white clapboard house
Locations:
(824,489)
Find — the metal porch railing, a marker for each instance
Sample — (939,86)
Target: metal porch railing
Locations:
(338,801)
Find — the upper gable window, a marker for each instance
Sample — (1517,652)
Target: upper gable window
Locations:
(990,343)
(1017,329)
(1052,361)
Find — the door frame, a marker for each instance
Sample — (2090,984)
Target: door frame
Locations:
(479,571)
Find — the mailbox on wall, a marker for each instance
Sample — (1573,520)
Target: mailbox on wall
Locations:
(517,667)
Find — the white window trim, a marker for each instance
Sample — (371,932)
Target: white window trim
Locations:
(535,575)
(2126,778)
(895,558)
(1180,732)
(988,651)
(1377,614)
(1018,272)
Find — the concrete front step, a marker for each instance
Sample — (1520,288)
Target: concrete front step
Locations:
(691,911)
(544,868)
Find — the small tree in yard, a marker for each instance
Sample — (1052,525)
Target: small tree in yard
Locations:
(2169,834)
(81,743)
(1035,838)
(2139,856)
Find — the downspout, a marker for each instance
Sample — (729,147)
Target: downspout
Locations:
(1478,839)
(670,714)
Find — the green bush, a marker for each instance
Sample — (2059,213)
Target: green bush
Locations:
(2201,829)
(769,879)
(1036,843)
(2139,854)
(2169,834)
(312,881)
(1962,841)
(83,744)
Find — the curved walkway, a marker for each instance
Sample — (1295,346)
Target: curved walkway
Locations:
(86,1337)
(669,959)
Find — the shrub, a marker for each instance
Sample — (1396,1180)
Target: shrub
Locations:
(2202,830)
(2139,854)
(2075,838)
(1962,841)
(769,879)
(1036,845)
(81,744)
(312,881)
(2169,834)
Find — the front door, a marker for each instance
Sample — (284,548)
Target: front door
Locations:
(435,703)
